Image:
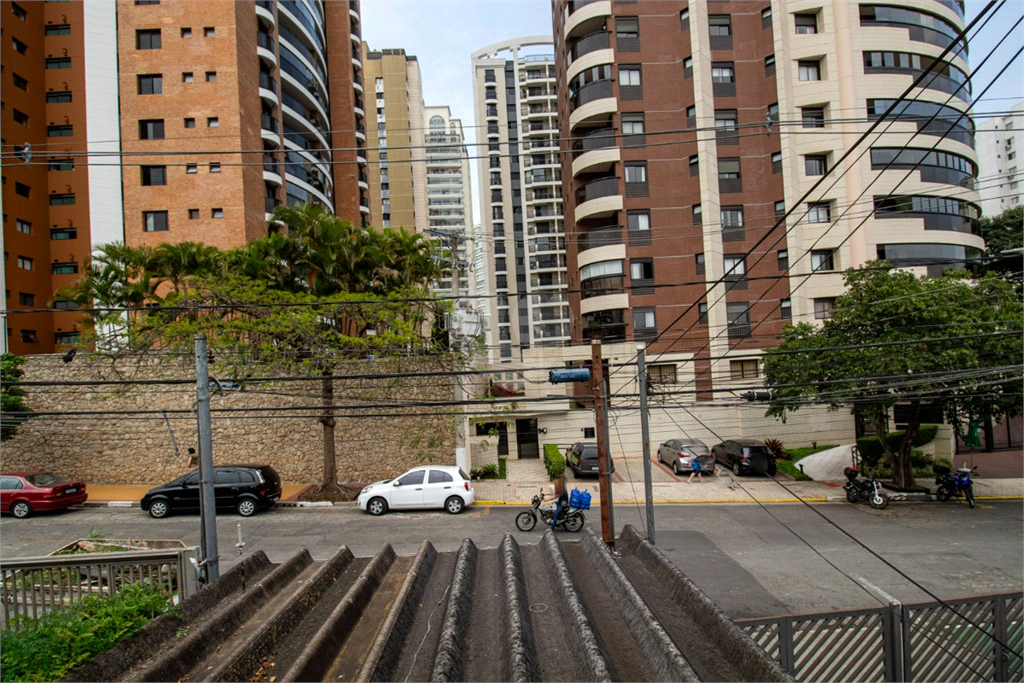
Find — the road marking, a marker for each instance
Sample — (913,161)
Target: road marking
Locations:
(867,584)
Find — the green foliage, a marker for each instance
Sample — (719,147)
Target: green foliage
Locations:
(794,456)
(488,471)
(790,468)
(502,474)
(47,648)
(776,447)
(871,450)
(1003,233)
(921,465)
(939,342)
(12,399)
(554,461)
(797,454)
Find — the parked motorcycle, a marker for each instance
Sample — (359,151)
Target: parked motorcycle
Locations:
(868,489)
(572,516)
(951,485)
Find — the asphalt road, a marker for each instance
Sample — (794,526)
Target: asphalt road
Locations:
(753,561)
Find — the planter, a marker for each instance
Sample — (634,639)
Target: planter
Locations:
(114,545)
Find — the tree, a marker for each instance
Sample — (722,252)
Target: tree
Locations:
(12,399)
(1002,234)
(898,338)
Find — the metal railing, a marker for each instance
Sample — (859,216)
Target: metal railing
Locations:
(601,187)
(33,586)
(587,44)
(591,92)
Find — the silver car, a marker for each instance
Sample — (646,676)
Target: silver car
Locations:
(679,453)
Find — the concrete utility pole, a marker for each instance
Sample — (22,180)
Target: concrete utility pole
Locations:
(645,434)
(210,563)
(604,458)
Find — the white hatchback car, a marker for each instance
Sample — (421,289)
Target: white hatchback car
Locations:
(427,486)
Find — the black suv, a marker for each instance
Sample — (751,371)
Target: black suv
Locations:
(243,488)
(582,458)
(745,456)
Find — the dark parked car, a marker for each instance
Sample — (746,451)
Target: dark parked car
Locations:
(243,488)
(745,455)
(22,493)
(582,458)
(679,453)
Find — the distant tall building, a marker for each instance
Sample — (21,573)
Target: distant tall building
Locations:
(516,98)
(217,111)
(449,195)
(1000,144)
(397,183)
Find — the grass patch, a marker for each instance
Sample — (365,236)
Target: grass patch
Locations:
(47,648)
(791,468)
(501,467)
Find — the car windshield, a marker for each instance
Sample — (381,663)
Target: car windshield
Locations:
(696,450)
(46,479)
(756,450)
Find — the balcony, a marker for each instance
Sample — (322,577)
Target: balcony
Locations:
(601,187)
(591,92)
(598,198)
(586,16)
(265,9)
(587,44)
(271,203)
(599,237)
(268,122)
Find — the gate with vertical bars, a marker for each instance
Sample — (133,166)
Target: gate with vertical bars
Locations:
(913,642)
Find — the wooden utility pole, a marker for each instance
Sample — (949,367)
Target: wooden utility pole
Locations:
(604,460)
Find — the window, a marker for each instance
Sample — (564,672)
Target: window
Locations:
(728,169)
(772,114)
(151,84)
(769,65)
(735,267)
(726,129)
(822,259)
(186,32)
(813,117)
(147,2)
(193,214)
(25,299)
(783,259)
(64,234)
(412,479)
(738,319)
(633,130)
(151,129)
(58,62)
(694,165)
(732,216)
(766,18)
(723,72)
(806,23)
(815,164)
(209,32)
(809,70)
(65,337)
(21,189)
(720,25)
(743,369)
(19,47)
(217,213)
(638,221)
(438,477)
(191,168)
(687,67)
(684,19)
(62,199)
(630,86)
(823,308)
(24,227)
(636,173)
(29,337)
(59,97)
(662,373)
(777,162)
(154,175)
(20,117)
(641,269)
(65,305)
(60,131)
(211,76)
(154,221)
(697,214)
(190,123)
(786,309)
(147,39)
(212,122)
(19,11)
(645,324)
(627,34)
(69,268)
(702,314)
(215,167)
(819,212)
(700,266)
(25,263)
(187,77)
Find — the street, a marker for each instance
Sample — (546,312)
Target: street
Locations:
(753,561)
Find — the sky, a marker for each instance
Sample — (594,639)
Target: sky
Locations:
(443,33)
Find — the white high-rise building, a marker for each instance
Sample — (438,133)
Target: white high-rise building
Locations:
(521,194)
(1000,141)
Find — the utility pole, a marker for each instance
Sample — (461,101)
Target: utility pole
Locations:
(645,434)
(209,563)
(604,459)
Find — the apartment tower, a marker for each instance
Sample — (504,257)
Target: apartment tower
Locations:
(514,87)
(397,182)
(694,126)
(1000,143)
(156,121)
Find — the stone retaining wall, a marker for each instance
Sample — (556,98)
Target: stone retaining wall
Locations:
(137,449)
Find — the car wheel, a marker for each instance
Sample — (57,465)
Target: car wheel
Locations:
(246,507)
(377,506)
(159,509)
(675,468)
(21,509)
(736,469)
(454,505)
(772,469)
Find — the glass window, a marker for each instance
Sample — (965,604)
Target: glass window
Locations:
(211,76)
(815,164)
(638,220)
(644,318)
(812,117)
(439,477)
(58,62)
(695,165)
(151,84)
(154,175)
(822,259)
(720,25)
(735,266)
(641,269)
(823,308)
(58,97)
(806,23)
(743,369)
(723,72)
(151,129)
(209,32)
(154,221)
(212,122)
(783,259)
(699,260)
(702,314)
(147,39)
(413,478)
(217,213)
(819,212)
(769,65)
(627,27)
(786,309)
(629,75)
(698,214)
(187,77)
(732,216)
(728,168)
(636,173)
(809,70)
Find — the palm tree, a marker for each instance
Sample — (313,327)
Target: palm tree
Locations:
(175,262)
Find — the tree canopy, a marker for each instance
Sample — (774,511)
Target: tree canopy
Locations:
(898,338)
(12,398)
(1002,234)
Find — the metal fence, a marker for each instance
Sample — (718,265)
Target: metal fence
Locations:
(32,586)
(916,642)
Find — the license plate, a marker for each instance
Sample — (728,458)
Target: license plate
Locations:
(71,489)
(593,469)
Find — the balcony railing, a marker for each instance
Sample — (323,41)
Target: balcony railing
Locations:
(588,44)
(271,203)
(268,122)
(268,82)
(601,237)
(602,187)
(577,4)
(271,164)
(599,139)
(264,40)
(266,4)
(590,92)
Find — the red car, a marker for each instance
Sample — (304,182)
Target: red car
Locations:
(21,494)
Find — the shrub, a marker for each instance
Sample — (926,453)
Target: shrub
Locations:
(554,461)
(871,450)
(776,447)
(47,648)
(488,471)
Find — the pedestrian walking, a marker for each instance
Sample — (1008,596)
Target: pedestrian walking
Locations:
(695,471)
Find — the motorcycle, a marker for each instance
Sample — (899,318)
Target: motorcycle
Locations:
(869,489)
(951,485)
(572,516)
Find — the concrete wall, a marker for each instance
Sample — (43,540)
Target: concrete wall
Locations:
(131,448)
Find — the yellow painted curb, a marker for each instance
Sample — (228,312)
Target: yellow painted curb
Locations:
(999,498)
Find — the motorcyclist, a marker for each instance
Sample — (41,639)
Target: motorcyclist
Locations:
(560,495)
